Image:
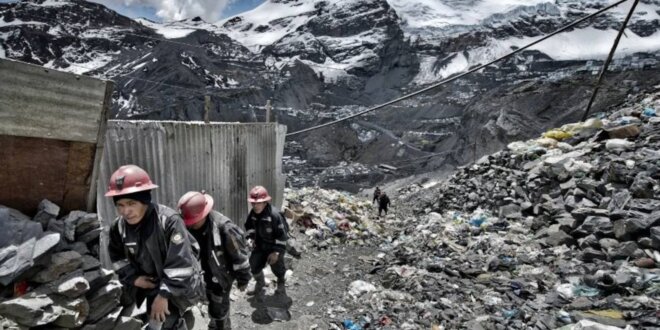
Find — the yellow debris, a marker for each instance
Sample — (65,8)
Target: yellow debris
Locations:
(611,313)
(557,134)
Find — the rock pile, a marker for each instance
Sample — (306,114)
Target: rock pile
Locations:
(50,274)
(330,217)
(561,231)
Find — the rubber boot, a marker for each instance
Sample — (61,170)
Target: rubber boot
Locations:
(281,286)
(259,287)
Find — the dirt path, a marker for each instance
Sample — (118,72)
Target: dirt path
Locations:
(318,283)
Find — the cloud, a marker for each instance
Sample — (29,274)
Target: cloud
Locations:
(174,10)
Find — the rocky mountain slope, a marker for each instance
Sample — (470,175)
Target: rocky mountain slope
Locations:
(319,60)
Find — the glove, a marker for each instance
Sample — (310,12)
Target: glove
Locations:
(272,258)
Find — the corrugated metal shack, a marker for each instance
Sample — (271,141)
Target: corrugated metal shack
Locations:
(52,126)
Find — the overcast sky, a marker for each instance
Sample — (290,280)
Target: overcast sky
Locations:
(168,10)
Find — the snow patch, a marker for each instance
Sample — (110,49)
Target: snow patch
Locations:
(589,43)
(54,3)
(168,31)
(267,23)
(17,21)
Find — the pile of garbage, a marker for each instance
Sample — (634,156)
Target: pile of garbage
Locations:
(329,217)
(51,276)
(562,231)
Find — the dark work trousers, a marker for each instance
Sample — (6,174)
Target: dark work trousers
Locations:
(259,259)
(382,208)
(218,307)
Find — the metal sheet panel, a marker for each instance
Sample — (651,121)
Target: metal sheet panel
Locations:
(51,129)
(225,159)
(44,103)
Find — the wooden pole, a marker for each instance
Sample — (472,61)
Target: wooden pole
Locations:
(207,108)
(608,60)
(268,108)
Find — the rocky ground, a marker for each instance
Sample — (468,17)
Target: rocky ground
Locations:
(557,232)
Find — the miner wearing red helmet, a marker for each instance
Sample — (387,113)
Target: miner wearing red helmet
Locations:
(223,253)
(151,251)
(266,227)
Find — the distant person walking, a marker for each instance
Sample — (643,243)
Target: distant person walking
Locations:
(383,203)
(376,195)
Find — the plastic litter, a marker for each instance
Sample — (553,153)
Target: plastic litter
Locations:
(557,134)
(649,112)
(618,144)
(349,325)
(357,288)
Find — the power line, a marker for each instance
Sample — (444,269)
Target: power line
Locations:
(448,80)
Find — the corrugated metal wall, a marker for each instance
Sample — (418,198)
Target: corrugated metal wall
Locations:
(225,159)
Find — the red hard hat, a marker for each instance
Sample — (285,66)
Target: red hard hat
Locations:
(194,206)
(259,194)
(129,179)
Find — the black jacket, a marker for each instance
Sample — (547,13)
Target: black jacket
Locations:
(383,201)
(227,256)
(159,246)
(267,229)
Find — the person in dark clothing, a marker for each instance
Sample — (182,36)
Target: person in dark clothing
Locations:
(383,203)
(266,228)
(223,253)
(151,251)
(376,195)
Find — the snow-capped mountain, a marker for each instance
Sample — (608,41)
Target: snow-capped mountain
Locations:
(323,59)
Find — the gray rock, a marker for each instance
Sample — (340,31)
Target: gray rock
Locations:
(90,236)
(568,185)
(15,260)
(56,226)
(559,238)
(90,263)
(70,224)
(600,226)
(645,242)
(567,222)
(29,310)
(588,241)
(87,223)
(644,205)
(590,254)
(60,263)
(98,278)
(608,243)
(104,300)
(655,237)
(107,322)
(623,251)
(72,285)
(510,211)
(619,200)
(16,231)
(628,229)
(582,213)
(642,187)
(581,303)
(72,313)
(46,211)
(79,247)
